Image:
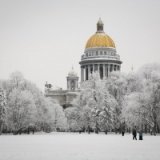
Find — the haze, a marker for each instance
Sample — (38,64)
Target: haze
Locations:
(43,39)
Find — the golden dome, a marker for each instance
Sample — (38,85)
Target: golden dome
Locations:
(100,39)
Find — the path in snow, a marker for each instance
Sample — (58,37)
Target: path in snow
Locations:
(74,146)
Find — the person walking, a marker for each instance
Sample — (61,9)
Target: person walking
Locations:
(134,133)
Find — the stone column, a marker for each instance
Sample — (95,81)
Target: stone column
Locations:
(81,73)
(93,68)
(114,67)
(89,71)
(104,71)
(108,69)
(117,68)
(84,73)
(98,68)
(111,67)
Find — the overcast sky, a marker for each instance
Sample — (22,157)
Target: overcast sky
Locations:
(43,39)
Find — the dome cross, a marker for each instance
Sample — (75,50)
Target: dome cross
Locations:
(100,26)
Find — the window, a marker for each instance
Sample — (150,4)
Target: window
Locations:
(72,85)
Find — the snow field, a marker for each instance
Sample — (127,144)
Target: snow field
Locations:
(74,146)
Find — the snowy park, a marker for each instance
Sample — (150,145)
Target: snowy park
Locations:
(74,146)
(79,80)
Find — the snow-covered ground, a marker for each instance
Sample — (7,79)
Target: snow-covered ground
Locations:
(74,146)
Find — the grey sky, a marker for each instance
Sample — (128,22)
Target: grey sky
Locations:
(44,38)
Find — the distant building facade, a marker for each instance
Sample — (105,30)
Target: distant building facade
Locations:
(64,97)
(100,56)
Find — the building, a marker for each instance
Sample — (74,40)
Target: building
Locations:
(100,56)
(64,97)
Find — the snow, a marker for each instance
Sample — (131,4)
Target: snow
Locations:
(74,146)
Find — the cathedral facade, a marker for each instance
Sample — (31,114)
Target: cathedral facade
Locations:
(100,56)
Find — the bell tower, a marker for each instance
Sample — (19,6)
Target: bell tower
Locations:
(72,81)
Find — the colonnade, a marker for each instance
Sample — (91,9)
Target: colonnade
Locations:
(103,69)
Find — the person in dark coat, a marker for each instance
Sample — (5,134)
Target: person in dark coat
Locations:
(134,133)
(123,133)
(140,135)
(123,128)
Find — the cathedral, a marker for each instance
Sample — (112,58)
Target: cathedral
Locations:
(100,56)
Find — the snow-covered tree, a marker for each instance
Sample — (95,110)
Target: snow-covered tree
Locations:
(116,85)
(142,102)
(21,109)
(108,112)
(73,119)
(95,106)
(2,109)
(60,120)
(128,99)
(26,105)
